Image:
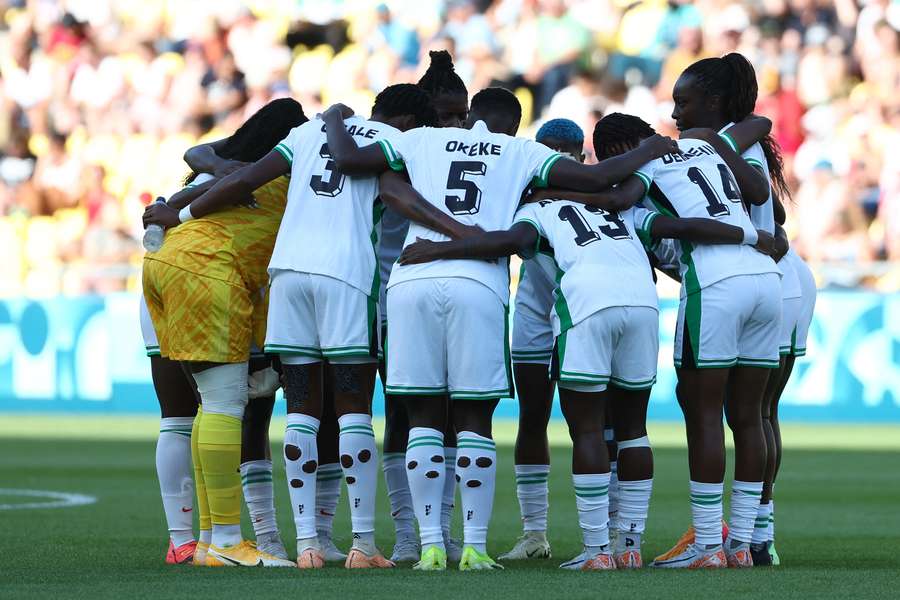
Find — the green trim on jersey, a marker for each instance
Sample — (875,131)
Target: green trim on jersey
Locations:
(644,179)
(507,359)
(693,312)
(543,175)
(407,390)
(755,163)
(152,350)
(730,141)
(477,395)
(286,152)
(582,377)
(393,159)
(560,305)
(377,213)
(643,230)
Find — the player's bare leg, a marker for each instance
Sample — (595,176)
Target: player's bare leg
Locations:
(532,454)
(635,472)
(178,409)
(743,411)
(585,415)
(701,393)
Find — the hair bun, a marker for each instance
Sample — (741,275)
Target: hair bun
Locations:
(441,59)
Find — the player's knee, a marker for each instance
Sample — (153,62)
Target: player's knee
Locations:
(223,389)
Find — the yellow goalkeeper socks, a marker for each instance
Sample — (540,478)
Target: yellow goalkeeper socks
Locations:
(219,447)
(199,484)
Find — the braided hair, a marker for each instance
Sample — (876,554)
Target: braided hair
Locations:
(617,133)
(441,77)
(733,80)
(263,130)
(405,99)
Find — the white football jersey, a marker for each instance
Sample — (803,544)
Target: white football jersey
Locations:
(600,256)
(476,177)
(763,216)
(331,223)
(697,183)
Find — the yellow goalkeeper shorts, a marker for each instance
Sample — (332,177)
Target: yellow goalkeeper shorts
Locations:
(199,318)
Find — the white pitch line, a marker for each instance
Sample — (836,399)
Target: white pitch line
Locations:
(56,499)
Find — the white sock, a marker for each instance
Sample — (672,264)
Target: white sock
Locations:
(706,512)
(745,497)
(205,536)
(592,500)
(447,502)
(301,461)
(634,503)
(359,459)
(398,493)
(761,525)
(476,467)
(176,483)
(328,494)
(259,494)
(613,492)
(425,473)
(772,521)
(225,536)
(532,491)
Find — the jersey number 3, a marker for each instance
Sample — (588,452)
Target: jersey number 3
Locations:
(470,203)
(334,183)
(584,234)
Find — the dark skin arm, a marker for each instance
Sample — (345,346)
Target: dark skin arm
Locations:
(782,245)
(621,197)
(399,195)
(350,158)
(186,195)
(753,183)
(521,239)
(707,231)
(236,185)
(204,158)
(749,131)
(778,208)
(573,175)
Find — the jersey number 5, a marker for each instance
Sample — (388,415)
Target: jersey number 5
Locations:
(456,180)
(332,186)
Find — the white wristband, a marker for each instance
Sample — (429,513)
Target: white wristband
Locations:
(750,236)
(185,215)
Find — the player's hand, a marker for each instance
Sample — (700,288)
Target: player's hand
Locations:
(698,133)
(765,243)
(345,111)
(420,251)
(659,145)
(160,213)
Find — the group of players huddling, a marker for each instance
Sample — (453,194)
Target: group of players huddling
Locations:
(309,254)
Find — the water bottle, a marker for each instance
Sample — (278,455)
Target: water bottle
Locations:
(153,235)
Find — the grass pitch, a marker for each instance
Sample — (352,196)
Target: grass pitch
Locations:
(837,526)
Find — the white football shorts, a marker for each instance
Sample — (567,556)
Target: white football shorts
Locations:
(735,321)
(447,335)
(618,345)
(314,317)
(532,331)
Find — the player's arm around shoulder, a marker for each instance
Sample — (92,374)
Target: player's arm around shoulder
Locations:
(350,158)
(702,231)
(522,238)
(617,198)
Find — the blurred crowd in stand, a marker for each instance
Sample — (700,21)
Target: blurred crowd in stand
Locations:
(99,99)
